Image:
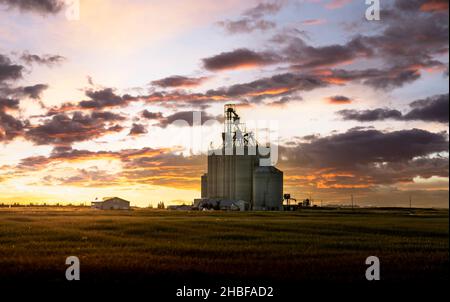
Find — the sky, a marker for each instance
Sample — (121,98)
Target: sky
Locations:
(92,94)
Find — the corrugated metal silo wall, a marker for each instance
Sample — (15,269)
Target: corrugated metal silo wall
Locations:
(231,176)
(267,188)
(243,177)
(204,185)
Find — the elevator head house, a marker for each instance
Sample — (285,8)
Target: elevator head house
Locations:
(235,176)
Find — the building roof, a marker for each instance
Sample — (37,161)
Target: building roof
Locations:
(115,198)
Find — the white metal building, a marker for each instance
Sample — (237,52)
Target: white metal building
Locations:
(111,203)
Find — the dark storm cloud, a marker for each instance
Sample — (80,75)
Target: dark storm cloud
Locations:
(179,81)
(49,60)
(370,115)
(364,158)
(432,109)
(137,129)
(63,129)
(9,70)
(239,58)
(39,6)
(355,148)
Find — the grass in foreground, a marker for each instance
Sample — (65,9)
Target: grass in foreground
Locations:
(143,245)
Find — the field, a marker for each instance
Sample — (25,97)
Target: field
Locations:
(150,246)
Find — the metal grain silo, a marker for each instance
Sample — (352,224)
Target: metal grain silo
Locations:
(267,189)
(234,173)
(243,177)
(205,186)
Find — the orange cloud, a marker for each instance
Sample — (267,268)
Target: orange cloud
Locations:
(335,4)
(435,5)
(339,99)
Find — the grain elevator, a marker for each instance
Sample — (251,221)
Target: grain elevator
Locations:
(235,178)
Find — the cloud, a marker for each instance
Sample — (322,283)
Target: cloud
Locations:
(303,56)
(107,116)
(93,177)
(10,127)
(353,148)
(432,109)
(264,8)
(39,6)
(34,91)
(49,60)
(186,118)
(8,70)
(65,153)
(139,166)
(137,129)
(99,99)
(366,158)
(246,25)
(435,5)
(238,59)
(281,84)
(377,78)
(151,115)
(280,88)
(422,5)
(405,39)
(8,104)
(335,4)
(252,19)
(294,51)
(165,169)
(339,99)
(62,129)
(179,81)
(370,115)
(310,22)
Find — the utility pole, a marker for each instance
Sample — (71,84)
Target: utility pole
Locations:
(410,202)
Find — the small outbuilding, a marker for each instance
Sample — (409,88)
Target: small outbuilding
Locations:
(111,203)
